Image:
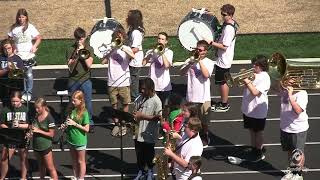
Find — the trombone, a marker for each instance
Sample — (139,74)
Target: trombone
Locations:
(78,55)
(159,48)
(117,42)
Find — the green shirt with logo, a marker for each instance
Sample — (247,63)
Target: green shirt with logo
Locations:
(8,114)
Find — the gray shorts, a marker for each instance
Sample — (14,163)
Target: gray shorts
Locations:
(78,148)
(291,141)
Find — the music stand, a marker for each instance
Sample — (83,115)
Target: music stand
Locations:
(124,118)
(10,136)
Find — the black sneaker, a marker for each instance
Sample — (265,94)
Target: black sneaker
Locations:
(222,107)
(257,155)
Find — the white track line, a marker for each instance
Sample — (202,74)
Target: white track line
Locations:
(202,172)
(158,147)
(240,120)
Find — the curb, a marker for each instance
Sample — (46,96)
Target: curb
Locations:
(237,62)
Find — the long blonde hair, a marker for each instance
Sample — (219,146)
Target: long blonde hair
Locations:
(80,110)
(42,102)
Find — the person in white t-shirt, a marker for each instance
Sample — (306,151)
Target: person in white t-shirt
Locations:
(119,76)
(198,87)
(255,105)
(190,145)
(159,67)
(293,120)
(23,33)
(135,34)
(225,53)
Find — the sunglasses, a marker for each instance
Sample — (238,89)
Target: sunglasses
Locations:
(224,14)
(200,50)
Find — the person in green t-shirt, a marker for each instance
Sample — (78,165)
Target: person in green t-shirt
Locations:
(43,132)
(14,117)
(77,127)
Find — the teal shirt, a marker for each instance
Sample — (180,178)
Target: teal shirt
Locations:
(76,136)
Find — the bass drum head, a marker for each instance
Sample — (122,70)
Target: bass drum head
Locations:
(101,36)
(193,29)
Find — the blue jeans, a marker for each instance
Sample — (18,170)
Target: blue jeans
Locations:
(29,79)
(86,88)
(134,76)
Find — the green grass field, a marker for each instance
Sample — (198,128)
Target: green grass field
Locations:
(296,45)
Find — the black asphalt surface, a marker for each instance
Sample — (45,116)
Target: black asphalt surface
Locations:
(226,131)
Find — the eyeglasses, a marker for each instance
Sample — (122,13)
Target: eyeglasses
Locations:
(224,14)
(200,50)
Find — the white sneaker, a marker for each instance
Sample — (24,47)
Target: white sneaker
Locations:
(288,176)
(123,130)
(115,131)
(297,177)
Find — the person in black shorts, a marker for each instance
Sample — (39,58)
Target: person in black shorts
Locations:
(255,105)
(15,117)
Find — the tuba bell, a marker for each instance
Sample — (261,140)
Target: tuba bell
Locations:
(305,75)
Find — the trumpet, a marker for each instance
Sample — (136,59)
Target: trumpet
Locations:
(14,72)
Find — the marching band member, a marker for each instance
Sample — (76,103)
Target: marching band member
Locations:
(79,70)
(293,124)
(255,105)
(135,34)
(77,127)
(190,145)
(119,77)
(9,62)
(15,116)
(195,164)
(159,67)
(198,87)
(225,53)
(148,113)
(24,33)
(43,132)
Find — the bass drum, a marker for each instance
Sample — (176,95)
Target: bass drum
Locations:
(101,36)
(197,26)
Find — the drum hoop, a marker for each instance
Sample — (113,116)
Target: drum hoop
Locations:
(183,21)
(103,29)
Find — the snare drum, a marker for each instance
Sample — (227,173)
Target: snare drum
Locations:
(196,26)
(101,36)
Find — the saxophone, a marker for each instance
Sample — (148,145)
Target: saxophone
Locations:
(161,160)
